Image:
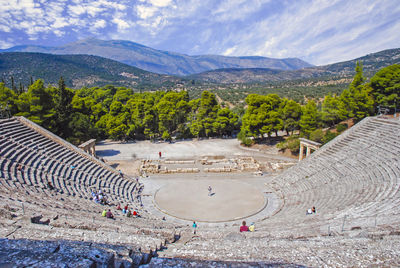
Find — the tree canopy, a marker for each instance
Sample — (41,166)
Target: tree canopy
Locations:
(120,113)
(385,86)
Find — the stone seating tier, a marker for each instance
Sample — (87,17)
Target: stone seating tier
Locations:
(353,181)
(44,158)
(355,174)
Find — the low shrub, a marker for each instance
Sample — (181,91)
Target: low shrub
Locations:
(341,127)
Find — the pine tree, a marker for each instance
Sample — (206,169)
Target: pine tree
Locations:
(309,119)
(356,100)
(358,79)
(385,87)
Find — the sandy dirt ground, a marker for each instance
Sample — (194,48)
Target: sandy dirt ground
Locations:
(193,201)
(192,149)
(188,149)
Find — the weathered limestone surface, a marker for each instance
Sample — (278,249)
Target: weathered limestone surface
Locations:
(61,253)
(89,147)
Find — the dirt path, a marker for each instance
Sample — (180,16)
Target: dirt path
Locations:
(230,105)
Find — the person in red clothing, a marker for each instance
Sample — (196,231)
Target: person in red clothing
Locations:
(244,227)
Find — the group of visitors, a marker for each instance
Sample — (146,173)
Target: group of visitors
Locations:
(245,228)
(127,211)
(99,197)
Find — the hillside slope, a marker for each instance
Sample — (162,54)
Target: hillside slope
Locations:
(371,64)
(77,70)
(162,62)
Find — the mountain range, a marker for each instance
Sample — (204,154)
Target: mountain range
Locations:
(158,61)
(88,70)
(371,64)
(78,71)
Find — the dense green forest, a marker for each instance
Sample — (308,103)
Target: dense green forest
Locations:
(268,114)
(120,113)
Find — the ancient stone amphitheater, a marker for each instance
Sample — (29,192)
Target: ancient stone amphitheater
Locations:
(353,181)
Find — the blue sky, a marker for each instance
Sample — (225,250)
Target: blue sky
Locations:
(319,32)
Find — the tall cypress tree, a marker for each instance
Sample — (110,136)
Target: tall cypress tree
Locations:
(63,109)
(13,87)
(21,88)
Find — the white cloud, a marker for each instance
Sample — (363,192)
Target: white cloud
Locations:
(145,12)
(99,24)
(110,4)
(236,9)
(229,51)
(58,33)
(37,19)
(160,3)
(59,23)
(318,31)
(77,10)
(5,44)
(4,28)
(94,10)
(121,24)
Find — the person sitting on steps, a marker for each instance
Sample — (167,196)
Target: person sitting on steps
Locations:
(109,215)
(136,214)
(244,227)
(252,227)
(129,213)
(311,211)
(50,185)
